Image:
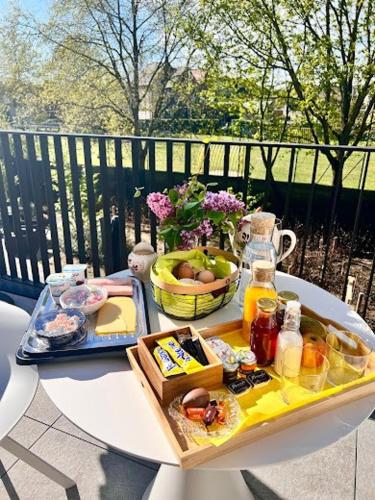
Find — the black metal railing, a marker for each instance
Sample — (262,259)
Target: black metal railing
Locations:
(66,197)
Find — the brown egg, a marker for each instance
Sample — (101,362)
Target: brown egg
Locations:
(196,398)
(206,276)
(183,271)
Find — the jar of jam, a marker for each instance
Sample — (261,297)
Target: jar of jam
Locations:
(283,298)
(264,331)
(230,369)
(248,361)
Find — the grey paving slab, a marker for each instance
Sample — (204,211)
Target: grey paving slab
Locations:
(99,473)
(366,461)
(328,474)
(26,432)
(64,425)
(42,408)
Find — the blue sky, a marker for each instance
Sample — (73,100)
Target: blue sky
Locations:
(37,7)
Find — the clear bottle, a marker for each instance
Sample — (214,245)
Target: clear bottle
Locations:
(260,247)
(283,298)
(261,285)
(264,332)
(290,342)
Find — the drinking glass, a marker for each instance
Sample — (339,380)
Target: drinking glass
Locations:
(310,379)
(348,355)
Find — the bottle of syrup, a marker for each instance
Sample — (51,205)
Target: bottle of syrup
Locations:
(261,285)
(264,331)
(290,342)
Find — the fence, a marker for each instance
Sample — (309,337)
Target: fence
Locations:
(66,197)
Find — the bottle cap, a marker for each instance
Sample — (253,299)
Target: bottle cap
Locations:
(286,296)
(266,305)
(263,270)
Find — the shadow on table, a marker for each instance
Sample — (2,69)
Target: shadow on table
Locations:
(259,489)
(86,369)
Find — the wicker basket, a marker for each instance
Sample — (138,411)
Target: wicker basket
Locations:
(195,302)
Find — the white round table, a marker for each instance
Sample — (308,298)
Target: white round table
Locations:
(104,399)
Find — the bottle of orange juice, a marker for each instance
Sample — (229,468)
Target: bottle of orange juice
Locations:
(261,285)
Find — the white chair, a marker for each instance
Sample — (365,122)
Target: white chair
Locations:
(18,385)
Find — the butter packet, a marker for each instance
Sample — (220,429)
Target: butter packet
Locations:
(166,365)
(179,355)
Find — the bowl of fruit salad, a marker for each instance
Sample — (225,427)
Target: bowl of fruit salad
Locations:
(85,298)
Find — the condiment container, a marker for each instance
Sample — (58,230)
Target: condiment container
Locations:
(141,259)
(290,342)
(248,361)
(230,368)
(58,283)
(77,272)
(264,332)
(283,298)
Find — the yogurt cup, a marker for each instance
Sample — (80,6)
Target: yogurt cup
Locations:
(58,283)
(77,273)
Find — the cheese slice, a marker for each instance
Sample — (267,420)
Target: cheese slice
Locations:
(117,315)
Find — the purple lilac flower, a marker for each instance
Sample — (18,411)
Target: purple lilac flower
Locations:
(223,202)
(160,205)
(189,237)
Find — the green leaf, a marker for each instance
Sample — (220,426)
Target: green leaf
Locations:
(216,217)
(138,192)
(173,196)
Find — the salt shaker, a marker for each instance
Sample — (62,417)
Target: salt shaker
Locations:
(141,259)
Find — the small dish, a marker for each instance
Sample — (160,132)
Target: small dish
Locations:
(59,327)
(198,429)
(84,298)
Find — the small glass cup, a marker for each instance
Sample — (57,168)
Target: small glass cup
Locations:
(311,378)
(348,355)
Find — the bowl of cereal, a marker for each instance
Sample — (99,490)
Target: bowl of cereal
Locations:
(84,298)
(58,327)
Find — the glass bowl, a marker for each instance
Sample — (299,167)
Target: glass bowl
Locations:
(198,429)
(58,327)
(84,298)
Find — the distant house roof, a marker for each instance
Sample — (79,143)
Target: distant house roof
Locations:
(195,73)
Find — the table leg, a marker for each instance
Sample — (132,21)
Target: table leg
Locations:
(177,484)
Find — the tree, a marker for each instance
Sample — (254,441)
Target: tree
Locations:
(130,44)
(324,50)
(19,76)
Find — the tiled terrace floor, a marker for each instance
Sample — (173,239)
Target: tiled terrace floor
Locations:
(344,471)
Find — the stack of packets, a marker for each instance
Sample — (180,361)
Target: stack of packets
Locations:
(179,356)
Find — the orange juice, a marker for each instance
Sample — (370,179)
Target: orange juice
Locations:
(252,294)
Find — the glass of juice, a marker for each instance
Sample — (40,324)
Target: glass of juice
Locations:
(348,355)
(309,380)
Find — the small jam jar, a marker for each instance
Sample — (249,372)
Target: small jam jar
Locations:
(248,361)
(230,369)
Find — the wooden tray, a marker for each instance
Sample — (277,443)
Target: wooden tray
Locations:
(189,454)
(210,376)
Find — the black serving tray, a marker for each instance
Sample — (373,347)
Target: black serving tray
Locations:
(32,350)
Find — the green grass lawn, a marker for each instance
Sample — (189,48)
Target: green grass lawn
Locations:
(303,171)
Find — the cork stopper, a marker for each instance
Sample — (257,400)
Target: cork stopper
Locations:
(263,270)
(262,223)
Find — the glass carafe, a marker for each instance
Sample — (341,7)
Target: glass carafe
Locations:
(260,247)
